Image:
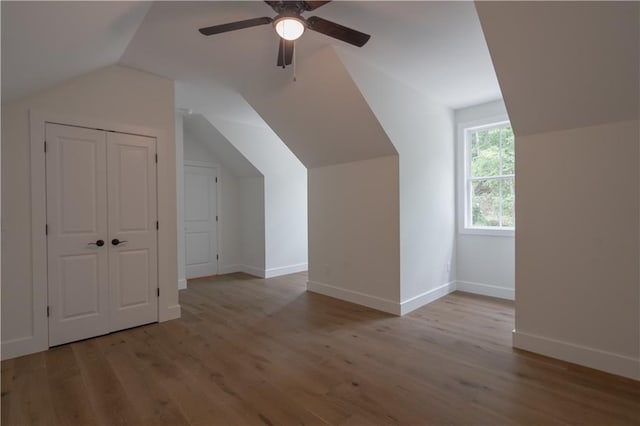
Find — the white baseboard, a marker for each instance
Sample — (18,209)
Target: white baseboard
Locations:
(252,270)
(486,290)
(30,344)
(229,269)
(577,354)
(22,346)
(427,297)
(263,273)
(384,305)
(171,313)
(285,270)
(182,284)
(374,302)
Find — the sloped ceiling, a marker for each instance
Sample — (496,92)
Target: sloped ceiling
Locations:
(322,117)
(44,43)
(258,143)
(436,47)
(564,65)
(200,129)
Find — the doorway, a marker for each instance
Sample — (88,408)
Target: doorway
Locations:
(201,220)
(101,212)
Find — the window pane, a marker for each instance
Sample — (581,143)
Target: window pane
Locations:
(508,205)
(508,152)
(485,202)
(485,153)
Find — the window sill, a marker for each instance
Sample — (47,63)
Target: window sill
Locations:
(491,232)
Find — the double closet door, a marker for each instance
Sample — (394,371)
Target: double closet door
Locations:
(101,232)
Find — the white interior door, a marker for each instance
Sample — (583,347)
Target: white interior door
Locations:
(132,245)
(201,242)
(77,253)
(101,232)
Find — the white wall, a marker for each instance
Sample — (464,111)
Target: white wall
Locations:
(286,223)
(354,229)
(284,184)
(574,106)
(252,230)
(285,195)
(196,150)
(485,264)
(236,195)
(114,94)
(352,179)
(577,245)
(180,244)
(230,219)
(421,131)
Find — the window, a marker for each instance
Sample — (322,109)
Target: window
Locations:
(489,177)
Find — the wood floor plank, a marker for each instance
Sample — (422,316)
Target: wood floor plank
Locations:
(108,397)
(151,401)
(196,399)
(252,351)
(29,385)
(67,389)
(6,377)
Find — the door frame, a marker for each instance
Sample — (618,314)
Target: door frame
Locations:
(210,165)
(168,306)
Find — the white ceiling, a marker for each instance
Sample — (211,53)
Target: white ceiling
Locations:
(44,43)
(588,75)
(200,129)
(435,47)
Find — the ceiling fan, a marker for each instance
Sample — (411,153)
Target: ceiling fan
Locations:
(289,25)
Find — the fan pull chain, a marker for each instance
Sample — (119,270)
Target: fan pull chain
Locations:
(294,61)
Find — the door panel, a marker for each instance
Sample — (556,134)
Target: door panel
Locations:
(197,192)
(132,171)
(80,294)
(76,217)
(79,205)
(198,248)
(133,276)
(201,242)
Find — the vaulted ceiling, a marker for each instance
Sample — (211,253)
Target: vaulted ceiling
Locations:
(435,47)
(565,65)
(45,43)
(199,128)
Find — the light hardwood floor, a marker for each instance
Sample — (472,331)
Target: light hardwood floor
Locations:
(265,352)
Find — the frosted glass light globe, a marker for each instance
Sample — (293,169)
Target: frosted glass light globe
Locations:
(289,28)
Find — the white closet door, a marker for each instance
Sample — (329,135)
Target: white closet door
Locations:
(132,245)
(77,221)
(201,243)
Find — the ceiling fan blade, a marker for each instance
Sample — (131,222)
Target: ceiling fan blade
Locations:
(312,5)
(232,26)
(337,31)
(285,52)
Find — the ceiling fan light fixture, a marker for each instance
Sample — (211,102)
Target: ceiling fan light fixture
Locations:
(289,27)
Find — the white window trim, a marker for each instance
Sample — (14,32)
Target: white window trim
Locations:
(462,163)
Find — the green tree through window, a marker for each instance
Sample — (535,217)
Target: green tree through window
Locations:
(490,176)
